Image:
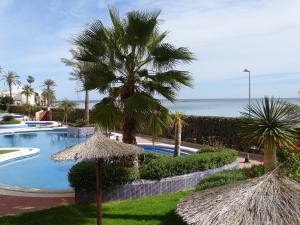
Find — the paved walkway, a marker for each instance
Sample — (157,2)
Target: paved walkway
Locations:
(16,202)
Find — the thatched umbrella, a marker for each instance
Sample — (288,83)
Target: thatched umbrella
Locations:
(269,200)
(98,148)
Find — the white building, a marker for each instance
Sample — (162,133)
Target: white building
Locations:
(20,98)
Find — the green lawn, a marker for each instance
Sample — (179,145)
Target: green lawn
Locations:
(3,151)
(157,210)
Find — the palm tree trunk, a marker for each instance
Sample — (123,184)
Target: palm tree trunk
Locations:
(178,131)
(129,129)
(269,156)
(86,107)
(27,99)
(10,91)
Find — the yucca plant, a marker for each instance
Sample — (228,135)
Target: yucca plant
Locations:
(133,64)
(270,122)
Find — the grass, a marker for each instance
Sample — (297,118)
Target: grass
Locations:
(157,210)
(3,122)
(3,151)
(222,178)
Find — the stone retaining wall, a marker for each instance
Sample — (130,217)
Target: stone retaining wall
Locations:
(80,131)
(143,188)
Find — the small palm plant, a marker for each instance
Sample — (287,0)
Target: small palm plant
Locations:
(27,91)
(270,122)
(67,107)
(11,79)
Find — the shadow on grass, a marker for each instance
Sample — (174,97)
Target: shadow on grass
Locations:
(168,219)
(85,215)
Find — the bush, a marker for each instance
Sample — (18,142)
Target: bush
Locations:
(147,157)
(8,118)
(291,160)
(82,176)
(174,166)
(5,102)
(228,177)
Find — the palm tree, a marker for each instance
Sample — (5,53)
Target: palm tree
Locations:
(79,74)
(49,92)
(130,63)
(178,123)
(27,91)
(10,79)
(30,80)
(270,122)
(67,106)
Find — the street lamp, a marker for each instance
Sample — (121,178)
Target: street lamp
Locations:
(248,71)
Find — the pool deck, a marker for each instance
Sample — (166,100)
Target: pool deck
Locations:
(14,200)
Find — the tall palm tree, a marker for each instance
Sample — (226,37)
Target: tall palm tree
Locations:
(27,91)
(270,122)
(79,74)
(11,79)
(178,123)
(67,107)
(49,92)
(30,80)
(132,64)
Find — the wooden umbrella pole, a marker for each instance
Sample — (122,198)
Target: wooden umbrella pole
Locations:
(98,192)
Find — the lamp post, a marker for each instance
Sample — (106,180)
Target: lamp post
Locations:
(247,158)
(249,72)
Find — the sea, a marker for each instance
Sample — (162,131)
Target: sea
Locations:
(206,107)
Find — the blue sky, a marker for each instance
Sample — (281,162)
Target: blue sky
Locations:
(225,35)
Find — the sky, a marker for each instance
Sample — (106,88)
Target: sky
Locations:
(226,37)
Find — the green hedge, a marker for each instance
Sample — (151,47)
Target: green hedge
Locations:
(57,114)
(203,129)
(173,166)
(82,176)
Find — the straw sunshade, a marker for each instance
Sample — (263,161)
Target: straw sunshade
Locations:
(269,200)
(98,148)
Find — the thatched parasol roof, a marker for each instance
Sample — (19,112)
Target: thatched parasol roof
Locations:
(269,200)
(97,147)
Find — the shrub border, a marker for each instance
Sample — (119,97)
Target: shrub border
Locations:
(144,188)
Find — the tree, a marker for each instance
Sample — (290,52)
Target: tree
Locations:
(270,123)
(79,74)
(132,64)
(67,107)
(10,79)
(27,91)
(49,92)
(30,80)
(178,123)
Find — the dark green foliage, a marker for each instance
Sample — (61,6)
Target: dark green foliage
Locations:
(173,166)
(82,176)
(291,162)
(228,177)
(79,123)
(8,118)
(5,102)
(146,157)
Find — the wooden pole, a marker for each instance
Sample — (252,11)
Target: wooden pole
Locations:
(98,192)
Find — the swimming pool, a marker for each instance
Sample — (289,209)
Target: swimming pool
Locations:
(40,171)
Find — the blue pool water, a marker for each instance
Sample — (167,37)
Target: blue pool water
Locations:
(40,171)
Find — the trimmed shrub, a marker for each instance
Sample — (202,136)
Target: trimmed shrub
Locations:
(82,176)
(5,102)
(147,157)
(173,166)
(8,118)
